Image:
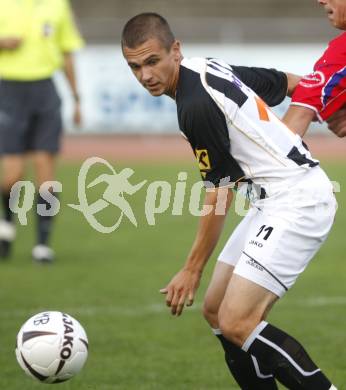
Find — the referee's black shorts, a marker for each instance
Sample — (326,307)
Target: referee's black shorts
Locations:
(30,117)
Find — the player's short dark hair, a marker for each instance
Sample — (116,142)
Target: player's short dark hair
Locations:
(145,26)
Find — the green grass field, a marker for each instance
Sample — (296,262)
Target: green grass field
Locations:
(110,283)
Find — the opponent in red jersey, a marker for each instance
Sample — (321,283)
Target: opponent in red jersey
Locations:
(323,92)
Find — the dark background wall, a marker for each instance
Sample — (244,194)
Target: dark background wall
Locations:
(234,21)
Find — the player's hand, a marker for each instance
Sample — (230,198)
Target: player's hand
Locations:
(10,43)
(337,123)
(77,115)
(181,290)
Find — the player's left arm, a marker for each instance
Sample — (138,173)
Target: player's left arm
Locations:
(70,73)
(292,82)
(271,85)
(182,288)
(69,41)
(298,119)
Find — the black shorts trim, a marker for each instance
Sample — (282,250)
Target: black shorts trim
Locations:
(271,274)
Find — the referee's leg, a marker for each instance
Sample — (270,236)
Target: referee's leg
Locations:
(12,172)
(44,166)
(45,137)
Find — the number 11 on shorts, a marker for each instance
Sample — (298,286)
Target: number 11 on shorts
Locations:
(267,230)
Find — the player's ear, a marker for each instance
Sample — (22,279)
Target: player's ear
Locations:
(176,49)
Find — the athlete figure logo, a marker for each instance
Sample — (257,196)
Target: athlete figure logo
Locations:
(117,185)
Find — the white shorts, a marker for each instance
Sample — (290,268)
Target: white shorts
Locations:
(278,237)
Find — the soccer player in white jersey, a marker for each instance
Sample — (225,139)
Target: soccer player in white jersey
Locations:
(236,138)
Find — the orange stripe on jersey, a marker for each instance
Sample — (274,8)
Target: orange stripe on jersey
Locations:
(262,109)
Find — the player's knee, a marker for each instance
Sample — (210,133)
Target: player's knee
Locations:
(232,331)
(210,313)
(236,329)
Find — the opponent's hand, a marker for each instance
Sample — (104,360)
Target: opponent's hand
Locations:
(180,290)
(337,123)
(10,43)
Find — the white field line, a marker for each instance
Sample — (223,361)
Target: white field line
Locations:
(324,301)
(91,311)
(155,308)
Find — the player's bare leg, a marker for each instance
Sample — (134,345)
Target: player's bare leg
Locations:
(12,171)
(241,319)
(241,364)
(216,291)
(44,165)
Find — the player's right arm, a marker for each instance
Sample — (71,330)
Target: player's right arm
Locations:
(182,288)
(204,125)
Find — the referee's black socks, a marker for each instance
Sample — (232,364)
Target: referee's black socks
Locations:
(245,368)
(5,198)
(46,209)
(285,357)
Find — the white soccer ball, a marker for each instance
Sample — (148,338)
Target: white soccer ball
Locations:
(52,347)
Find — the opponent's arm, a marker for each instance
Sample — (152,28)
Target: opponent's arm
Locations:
(184,284)
(69,70)
(337,123)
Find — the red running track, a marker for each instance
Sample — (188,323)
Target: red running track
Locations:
(169,148)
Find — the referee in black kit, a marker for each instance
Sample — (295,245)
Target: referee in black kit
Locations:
(37,37)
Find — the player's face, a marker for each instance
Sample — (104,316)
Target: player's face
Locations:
(155,67)
(336,11)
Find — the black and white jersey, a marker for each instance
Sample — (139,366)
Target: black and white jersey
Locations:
(233,133)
